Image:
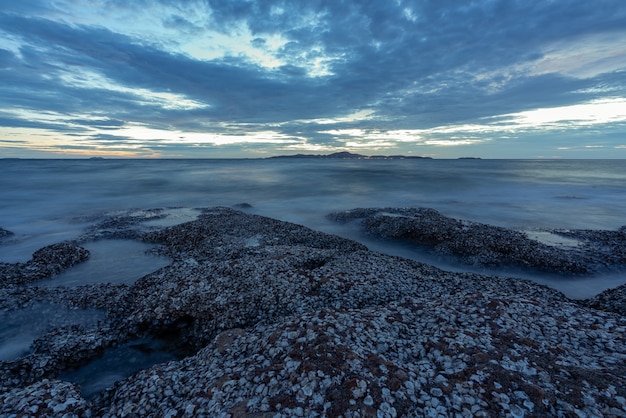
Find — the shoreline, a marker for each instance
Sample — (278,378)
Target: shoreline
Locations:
(570,252)
(276,318)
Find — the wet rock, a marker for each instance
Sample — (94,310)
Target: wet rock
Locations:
(280,320)
(45,262)
(611,300)
(222,233)
(480,244)
(5,233)
(45,398)
(121,225)
(58,257)
(604,248)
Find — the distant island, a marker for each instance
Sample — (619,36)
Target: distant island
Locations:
(344,155)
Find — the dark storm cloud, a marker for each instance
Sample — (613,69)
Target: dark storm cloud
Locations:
(12,141)
(110,139)
(394,61)
(6,58)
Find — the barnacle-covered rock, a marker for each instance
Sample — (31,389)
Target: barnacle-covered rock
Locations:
(479,244)
(275,319)
(45,262)
(611,300)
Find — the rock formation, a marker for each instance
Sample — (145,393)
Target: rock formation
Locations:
(275,319)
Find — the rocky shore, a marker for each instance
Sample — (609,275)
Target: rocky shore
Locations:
(478,244)
(45,262)
(270,319)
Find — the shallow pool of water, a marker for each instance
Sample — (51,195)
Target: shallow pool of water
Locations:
(549,238)
(117,364)
(19,328)
(110,261)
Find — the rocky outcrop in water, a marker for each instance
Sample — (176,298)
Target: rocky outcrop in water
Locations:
(602,248)
(280,320)
(478,244)
(46,262)
(5,233)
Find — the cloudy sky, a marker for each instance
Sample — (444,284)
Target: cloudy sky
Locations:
(254,78)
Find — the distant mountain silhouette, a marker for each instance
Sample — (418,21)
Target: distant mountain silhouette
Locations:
(345,155)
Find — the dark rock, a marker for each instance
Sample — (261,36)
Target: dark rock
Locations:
(471,243)
(46,262)
(5,233)
(243,206)
(611,300)
(281,320)
(203,239)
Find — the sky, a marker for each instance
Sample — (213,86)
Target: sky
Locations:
(257,78)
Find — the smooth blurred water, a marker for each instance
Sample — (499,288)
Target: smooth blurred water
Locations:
(117,364)
(46,201)
(19,328)
(110,261)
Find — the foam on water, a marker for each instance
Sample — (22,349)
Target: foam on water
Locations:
(33,234)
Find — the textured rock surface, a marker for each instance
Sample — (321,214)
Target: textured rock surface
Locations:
(280,320)
(480,244)
(46,262)
(612,300)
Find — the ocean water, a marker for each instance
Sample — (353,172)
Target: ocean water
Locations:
(47,201)
(19,328)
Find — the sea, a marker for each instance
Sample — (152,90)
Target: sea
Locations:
(42,201)
(45,201)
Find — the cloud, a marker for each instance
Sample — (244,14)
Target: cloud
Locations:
(97,123)
(9,122)
(585,56)
(296,73)
(12,141)
(592,113)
